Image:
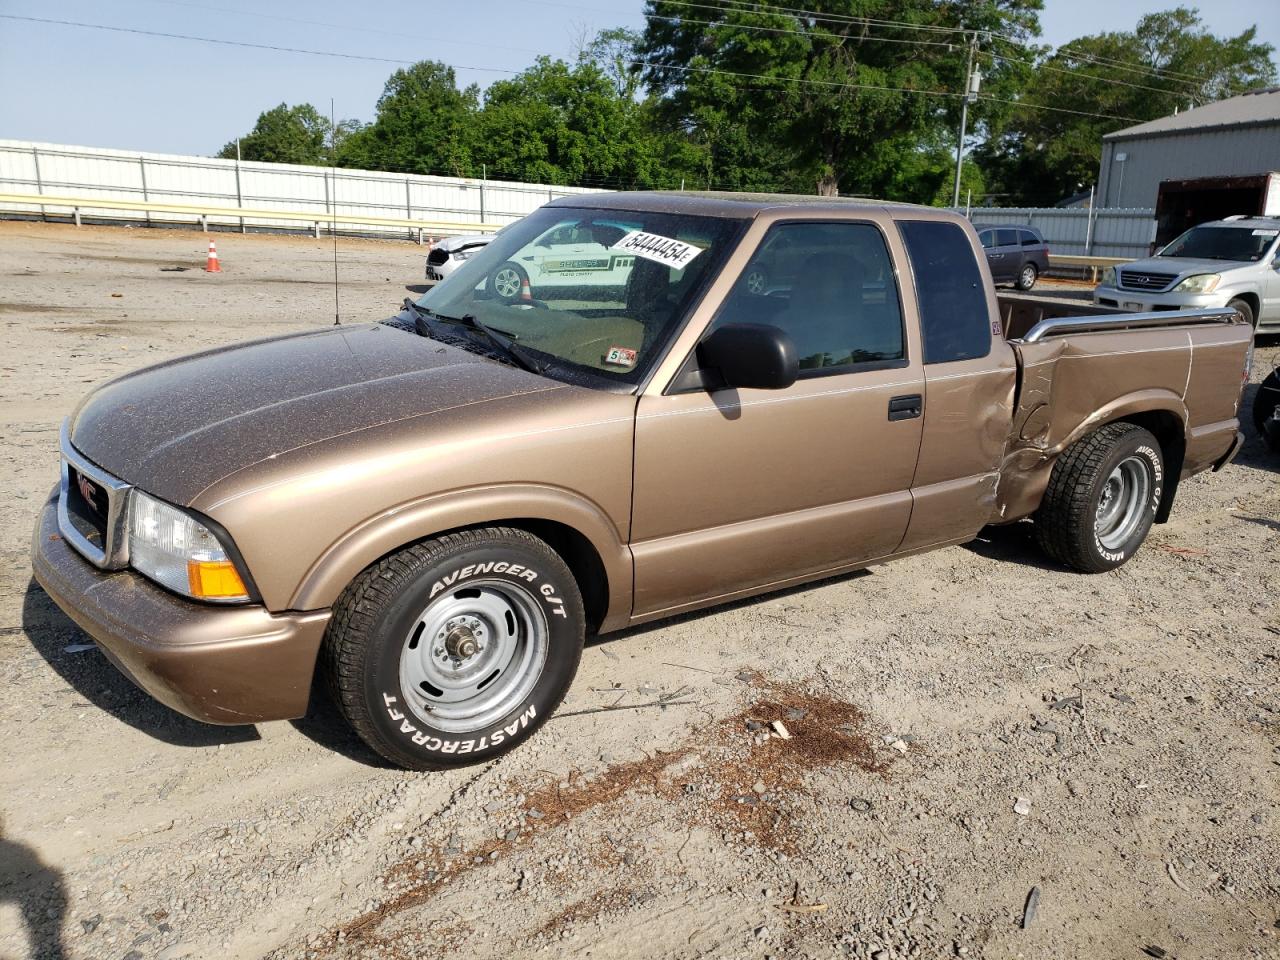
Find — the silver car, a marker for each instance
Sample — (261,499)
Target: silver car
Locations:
(1226,263)
(448,254)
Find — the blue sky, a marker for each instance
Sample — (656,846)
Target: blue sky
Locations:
(71,85)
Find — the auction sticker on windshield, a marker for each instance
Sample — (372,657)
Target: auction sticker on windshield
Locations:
(676,254)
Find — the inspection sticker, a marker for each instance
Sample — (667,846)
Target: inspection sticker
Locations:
(676,254)
(620,357)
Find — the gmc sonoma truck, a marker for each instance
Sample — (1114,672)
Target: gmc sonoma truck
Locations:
(436,509)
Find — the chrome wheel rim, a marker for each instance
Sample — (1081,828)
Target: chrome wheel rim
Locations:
(1028,276)
(507,282)
(473,655)
(1123,502)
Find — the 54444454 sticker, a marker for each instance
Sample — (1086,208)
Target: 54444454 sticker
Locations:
(675,254)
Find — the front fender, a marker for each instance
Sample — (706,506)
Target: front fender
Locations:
(338,565)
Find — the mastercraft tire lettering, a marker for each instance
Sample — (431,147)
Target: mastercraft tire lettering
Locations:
(1102,498)
(455,649)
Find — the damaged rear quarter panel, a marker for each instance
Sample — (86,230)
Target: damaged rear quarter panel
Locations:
(1074,384)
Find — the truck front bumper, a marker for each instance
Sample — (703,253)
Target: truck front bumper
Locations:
(1144,301)
(229,665)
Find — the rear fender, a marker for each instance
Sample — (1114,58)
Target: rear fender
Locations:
(1026,469)
(507,503)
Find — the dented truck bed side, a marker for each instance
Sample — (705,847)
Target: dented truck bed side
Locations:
(1169,379)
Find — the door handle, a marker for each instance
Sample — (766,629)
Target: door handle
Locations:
(906,408)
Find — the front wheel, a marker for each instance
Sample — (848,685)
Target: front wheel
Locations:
(1266,410)
(455,650)
(1243,308)
(1027,276)
(1102,498)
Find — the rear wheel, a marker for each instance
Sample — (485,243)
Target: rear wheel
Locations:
(1027,276)
(507,282)
(456,649)
(1102,498)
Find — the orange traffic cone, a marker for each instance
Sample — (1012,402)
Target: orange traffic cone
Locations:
(211,265)
(526,294)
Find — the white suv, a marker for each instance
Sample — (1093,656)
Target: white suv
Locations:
(1226,263)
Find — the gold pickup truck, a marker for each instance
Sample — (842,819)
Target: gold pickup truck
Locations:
(716,396)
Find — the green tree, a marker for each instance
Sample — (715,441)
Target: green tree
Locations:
(423,124)
(1169,62)
(570,124)
(285,134)
(831,100)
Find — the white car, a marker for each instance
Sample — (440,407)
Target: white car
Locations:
(570,256)
(1225,263)
(447,254)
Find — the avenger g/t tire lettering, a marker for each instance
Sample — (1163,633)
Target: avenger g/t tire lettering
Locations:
(456,649)
(1102,498)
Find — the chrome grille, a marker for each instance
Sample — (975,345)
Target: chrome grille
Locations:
(1144,280)
(112,553)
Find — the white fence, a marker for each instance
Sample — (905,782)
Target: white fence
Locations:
(1113,233)
(89,172)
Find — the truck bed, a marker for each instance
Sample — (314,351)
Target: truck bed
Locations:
(1080,365)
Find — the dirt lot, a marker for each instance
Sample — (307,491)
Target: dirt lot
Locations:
(989,756)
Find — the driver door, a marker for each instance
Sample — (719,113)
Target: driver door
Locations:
(740,490)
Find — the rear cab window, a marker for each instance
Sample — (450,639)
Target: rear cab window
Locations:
(955,323)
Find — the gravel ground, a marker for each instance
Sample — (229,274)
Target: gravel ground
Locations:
(988,756)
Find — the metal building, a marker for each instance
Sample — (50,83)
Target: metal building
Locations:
(1240,135)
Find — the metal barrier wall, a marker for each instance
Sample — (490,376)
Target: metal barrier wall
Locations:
(1112,233)
(88,172)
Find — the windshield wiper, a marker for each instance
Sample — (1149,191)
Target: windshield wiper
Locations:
(505,344)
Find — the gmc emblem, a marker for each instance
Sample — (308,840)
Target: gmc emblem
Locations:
(87,490)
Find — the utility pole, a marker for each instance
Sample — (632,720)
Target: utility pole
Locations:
(972,78)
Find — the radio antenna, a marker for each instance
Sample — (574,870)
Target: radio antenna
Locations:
(333,224)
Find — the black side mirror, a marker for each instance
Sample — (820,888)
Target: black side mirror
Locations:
(751,355)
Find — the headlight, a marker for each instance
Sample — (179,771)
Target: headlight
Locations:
(177,551)
(1109,277)
(1201,283)
(462,254)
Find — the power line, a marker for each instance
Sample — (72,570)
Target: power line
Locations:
(1066,53)
(828,84)
(236,43)
(343,26)
(750,6)
(1074,73)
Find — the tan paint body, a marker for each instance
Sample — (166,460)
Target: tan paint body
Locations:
(687,498)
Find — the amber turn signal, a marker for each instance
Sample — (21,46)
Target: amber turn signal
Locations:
(215,580)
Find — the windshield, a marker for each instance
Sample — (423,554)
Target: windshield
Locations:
(597,291)
(1243,244)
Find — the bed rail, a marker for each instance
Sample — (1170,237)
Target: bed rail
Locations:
(1055,326)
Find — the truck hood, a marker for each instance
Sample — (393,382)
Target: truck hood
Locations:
(178,427)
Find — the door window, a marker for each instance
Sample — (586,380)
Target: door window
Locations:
(1006,238)
(832,289)
(952,294)
(987,238)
